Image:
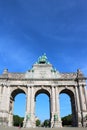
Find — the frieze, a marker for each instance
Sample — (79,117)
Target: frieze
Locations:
(37,82)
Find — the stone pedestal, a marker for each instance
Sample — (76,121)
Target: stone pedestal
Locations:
(10,123)
(28,124)
(29,121)
(57,124)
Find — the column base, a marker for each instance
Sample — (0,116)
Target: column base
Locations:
(29,121)
(29,124)
(58,124)
(84,121)
(79,124)
(10,122)
(4,118)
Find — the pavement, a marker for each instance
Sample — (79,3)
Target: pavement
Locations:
(63,128)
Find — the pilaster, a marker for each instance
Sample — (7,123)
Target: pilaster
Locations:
(57,119)
(83,104)
(82,98)
(4,105)
(29,120)
(55,108)
(52,105)
(9,108)
(85,94)
(33,107)
(78,106)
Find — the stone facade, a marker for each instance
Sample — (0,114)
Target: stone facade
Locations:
(43,78)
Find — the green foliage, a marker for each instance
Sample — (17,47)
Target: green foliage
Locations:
(67,120)
(46,123)
(38,122)
(18,121)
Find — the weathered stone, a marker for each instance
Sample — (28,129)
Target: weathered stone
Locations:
(43,78)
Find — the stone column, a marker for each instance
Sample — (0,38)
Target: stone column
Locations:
(78,108)
(1,101)
(27,121)
(11,111)
(3,106)
(83,104)
(56,100)
(85,94)
(57,119)
(9,108)
(52,105)
(82,98)
(1,87)
(85,113)
(28,100)
(77,100)
(30,117)
(30,113)
(8,98)
(33,107)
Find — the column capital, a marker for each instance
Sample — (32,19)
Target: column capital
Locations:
(54,86)
(28,86)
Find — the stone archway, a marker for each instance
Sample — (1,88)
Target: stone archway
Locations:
(42,90)
(73,106)
(14,93)
(43,77)
(46,92)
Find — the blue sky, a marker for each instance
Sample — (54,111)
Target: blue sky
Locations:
(28,28)
(42,106)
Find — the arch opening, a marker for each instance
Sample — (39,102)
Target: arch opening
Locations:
(18,106)
(67,108)
(42,107)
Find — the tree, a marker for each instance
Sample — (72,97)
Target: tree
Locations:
(17,120)
(46,123)
(67,120)
(38,122)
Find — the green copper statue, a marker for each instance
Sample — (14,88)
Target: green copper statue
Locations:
(28,117)
(55,117)
(43,59)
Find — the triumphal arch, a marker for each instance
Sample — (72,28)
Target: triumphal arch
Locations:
(43,78)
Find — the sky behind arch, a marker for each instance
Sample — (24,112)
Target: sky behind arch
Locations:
(29,28)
